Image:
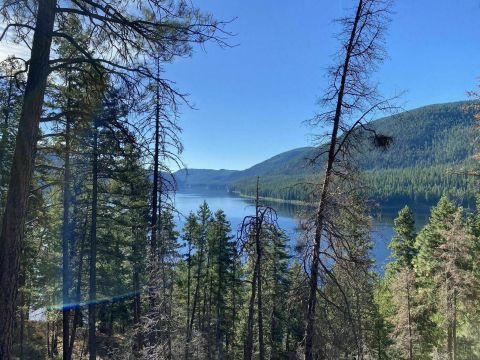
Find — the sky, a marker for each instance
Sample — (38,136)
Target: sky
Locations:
(251,101)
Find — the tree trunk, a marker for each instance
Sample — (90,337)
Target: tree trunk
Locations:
(205,290)
(410,338)
(248,348)
(154,217)
(261,343)
(92,293)
(312,298)
(66,236)
(220,308)
(196,295)
(13,222)
(209,319)
(256,282)
(137,304)
(22,283)
(78,290)
(189,271)
(258,229)
(454,325)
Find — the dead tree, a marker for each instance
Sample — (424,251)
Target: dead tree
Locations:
(252,229)
(353,101)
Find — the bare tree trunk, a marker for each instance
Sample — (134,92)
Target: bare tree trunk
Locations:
(78,290)
(189,280)
(451,315)
(136,288)
(13,222)
(410,339)
(204,306)
(209,315)
(261,343)
(258,244)
(454,325)
(196,295)
(154,218)
(248,347)
(66,236)
(256,283)
(169,340)
(220,309)
(312,299)
(92,294)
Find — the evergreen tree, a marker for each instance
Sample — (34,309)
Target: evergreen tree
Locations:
(403,242)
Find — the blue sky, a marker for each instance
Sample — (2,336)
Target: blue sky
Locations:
(251,100)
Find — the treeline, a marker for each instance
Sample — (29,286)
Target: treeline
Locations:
(421,184)
(278,187)
(424,184)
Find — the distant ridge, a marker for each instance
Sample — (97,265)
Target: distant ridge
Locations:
(427,142)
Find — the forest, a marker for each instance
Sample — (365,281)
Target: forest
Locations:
(436,144)
(97,262)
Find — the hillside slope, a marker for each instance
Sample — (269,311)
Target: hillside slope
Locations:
(428,143)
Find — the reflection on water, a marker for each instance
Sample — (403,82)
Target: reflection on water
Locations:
(236,208)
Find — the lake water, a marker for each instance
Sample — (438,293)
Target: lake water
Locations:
(236,208)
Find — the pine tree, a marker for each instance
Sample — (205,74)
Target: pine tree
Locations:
(403,242)
(453,278)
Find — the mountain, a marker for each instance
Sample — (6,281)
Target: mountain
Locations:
(430,146)
(204,178)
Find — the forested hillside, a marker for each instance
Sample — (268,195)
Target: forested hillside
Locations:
(98,258)
(430,152)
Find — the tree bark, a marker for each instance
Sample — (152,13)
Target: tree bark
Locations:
(92,293)
(137,309)
(198,280)
(13,222)
(154,216)
(66,236)
(410,338)
(248,348)
(258,229)
(78,291)
(22,282)
(189,280)
(320,217)
(261,343)
(256,283)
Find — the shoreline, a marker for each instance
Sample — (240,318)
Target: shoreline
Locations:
(277,200)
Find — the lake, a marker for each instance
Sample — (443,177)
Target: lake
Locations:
(236,208)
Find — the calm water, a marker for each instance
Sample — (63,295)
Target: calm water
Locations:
(236,208)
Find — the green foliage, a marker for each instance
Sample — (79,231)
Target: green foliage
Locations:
(432,236)
(430,308)
(431,151)
(403,242)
